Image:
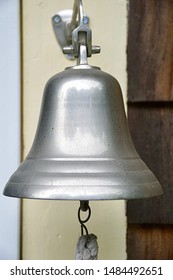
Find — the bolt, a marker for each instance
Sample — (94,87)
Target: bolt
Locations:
(57,19)
(96,49)
(68,50)
(85,20)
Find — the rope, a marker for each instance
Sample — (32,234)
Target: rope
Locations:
(87,247)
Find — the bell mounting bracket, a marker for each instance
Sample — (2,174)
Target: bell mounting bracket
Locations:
(73,34)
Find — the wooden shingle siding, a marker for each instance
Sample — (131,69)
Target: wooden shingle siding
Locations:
(150,113)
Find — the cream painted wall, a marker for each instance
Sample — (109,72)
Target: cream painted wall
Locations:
(50,228)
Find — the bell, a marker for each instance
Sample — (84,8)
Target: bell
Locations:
(82,148)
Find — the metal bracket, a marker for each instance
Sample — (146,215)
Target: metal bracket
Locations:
(63,30)
(73,34)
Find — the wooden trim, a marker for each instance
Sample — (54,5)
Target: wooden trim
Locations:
(150,50)
(151,128)
(150,242)
(150,112)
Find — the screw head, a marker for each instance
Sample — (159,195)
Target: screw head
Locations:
(85,20)
(57,19)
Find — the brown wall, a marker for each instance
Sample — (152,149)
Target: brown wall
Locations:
(150,112)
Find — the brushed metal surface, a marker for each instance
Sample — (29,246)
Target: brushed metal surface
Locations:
(82,148)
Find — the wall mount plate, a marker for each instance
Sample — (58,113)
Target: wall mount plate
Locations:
(63,29)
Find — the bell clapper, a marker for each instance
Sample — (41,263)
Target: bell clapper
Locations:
(87,246)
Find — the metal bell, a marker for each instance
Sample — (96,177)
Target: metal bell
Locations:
(82,148)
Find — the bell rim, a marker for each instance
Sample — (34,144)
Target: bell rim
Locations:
(106,192)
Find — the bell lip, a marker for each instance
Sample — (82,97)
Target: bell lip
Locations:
(65,184)
(121,192)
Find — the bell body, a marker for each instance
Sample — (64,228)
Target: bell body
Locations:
(82,148)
